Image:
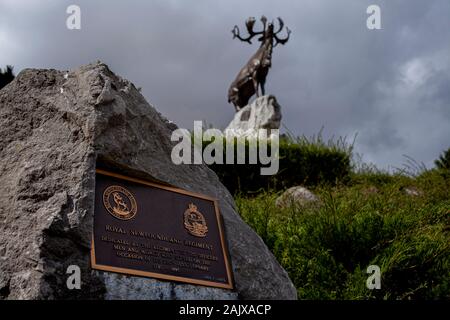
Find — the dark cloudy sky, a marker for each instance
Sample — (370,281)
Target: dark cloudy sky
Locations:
(390,86)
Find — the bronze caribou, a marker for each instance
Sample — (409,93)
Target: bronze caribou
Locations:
(254,73)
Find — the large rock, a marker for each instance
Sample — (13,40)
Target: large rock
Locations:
(54,127)
(263,113)
(296,196)
(413,191)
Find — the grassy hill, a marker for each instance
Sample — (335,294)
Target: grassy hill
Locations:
(327,247)
(396,221)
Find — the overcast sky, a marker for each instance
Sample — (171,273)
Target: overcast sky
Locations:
(391,87)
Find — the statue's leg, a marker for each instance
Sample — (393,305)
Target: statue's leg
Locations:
(255,85)
(263,90)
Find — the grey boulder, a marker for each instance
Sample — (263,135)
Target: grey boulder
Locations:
(296,196)
(55,126)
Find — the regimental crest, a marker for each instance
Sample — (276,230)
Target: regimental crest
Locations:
(119,202)
(195,222)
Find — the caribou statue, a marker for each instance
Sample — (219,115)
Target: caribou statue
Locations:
(254,73)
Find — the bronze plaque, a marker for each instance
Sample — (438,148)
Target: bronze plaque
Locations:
(146,229)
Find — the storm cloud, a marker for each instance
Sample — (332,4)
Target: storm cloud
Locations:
(391,87)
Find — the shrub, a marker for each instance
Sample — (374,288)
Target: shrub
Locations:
(302,161)
(6,76)
(443,162)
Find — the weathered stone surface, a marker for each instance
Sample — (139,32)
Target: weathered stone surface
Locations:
(298,196)
(263,113)
(50,142)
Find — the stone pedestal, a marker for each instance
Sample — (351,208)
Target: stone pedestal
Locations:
(263,113)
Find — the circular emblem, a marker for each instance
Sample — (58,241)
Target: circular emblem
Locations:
(195,222)
(119,202)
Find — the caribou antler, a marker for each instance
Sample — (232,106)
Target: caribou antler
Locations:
(278,40)
(249,24)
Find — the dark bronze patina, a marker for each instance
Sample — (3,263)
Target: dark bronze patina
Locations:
(146,229)
(254,73)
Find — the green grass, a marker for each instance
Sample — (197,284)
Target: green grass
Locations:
(327,248)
